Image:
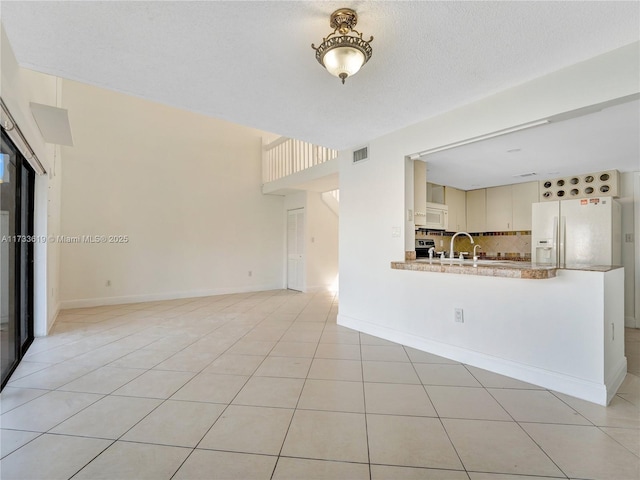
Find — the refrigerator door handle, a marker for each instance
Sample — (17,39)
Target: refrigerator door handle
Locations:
(554,245)
(563,242)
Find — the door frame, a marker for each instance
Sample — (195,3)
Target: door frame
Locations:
(24,249)
(302,284)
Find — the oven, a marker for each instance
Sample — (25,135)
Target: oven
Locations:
(423,246)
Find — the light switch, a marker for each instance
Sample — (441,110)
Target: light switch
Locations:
(395,232)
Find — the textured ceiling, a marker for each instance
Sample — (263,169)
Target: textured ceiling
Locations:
(251,62)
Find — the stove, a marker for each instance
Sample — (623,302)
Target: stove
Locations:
(423,246)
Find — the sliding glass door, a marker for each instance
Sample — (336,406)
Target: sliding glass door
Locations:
(17,184)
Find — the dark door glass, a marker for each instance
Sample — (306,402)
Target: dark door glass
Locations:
(16,257)
(8,324)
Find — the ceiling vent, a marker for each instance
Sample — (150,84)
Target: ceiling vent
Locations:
(524,175)
(361,155)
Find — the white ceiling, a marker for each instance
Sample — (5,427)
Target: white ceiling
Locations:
(251,62)
(605,140)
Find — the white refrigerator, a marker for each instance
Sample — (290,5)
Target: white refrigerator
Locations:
(576,232)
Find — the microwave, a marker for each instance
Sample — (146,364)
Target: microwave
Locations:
(437,216)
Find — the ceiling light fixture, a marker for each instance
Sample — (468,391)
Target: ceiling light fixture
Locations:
(344,51)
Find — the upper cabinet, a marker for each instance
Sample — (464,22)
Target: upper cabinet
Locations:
(509,207)
(435,193)
(456,201)
(477,210)
(499,209)
(524,195)
(419,193)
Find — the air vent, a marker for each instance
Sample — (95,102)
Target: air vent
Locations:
(361,155)
(522,175)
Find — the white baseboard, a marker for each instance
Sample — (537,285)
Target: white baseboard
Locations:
(619,373)
(54,317)
(576,387)
(317,288)
(154,297)
(631,322)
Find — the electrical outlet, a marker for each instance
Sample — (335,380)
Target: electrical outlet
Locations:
(409,215)
(458,315)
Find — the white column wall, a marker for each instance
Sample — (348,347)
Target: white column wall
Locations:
(372,200)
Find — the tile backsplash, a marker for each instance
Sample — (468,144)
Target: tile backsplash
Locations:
(493,244)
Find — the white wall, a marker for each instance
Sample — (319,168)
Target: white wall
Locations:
(322,244)
(321,240)
(184,188)
(20,86)
(630,203)
(294,201)
(372,193)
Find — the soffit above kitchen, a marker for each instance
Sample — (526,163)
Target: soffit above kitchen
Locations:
(605,139)
(251,62)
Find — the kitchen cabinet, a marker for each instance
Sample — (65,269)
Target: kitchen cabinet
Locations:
(477,210)
(456,201)
(435,193)
(509,207)
(419,193)
(499,209)
(524,195)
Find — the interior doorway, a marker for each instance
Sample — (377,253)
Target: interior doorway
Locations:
(295,249)
(17,184)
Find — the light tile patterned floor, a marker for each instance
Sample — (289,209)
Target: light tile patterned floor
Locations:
(267,386)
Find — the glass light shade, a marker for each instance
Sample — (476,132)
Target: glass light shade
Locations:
(343,60)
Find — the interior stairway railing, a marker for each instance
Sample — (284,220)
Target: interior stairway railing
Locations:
(286,156)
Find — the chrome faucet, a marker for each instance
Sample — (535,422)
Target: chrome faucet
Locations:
(454,237)
(475,255)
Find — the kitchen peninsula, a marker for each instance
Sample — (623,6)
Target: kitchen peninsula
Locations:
(509,269)
(558,328)
(564,332)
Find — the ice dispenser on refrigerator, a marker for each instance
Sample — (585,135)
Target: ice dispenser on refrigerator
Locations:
(544,252)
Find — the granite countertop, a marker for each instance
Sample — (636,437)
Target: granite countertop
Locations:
(592,268)
(509,269)
(498,268)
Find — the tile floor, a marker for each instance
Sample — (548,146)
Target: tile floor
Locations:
(632,349)
(267,386)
